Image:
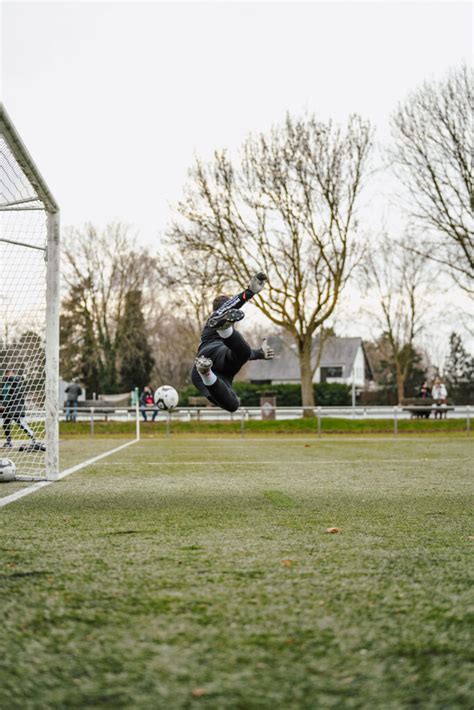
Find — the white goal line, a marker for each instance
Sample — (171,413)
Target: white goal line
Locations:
(41,484)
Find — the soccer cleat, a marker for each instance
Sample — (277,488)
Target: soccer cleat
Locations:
(7,445)
(203,364)
(35,446)
(220,321)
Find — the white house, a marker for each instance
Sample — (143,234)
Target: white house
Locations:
(343,360)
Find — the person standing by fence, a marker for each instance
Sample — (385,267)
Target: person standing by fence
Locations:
(73,392)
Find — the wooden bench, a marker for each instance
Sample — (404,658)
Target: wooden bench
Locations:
(423,408)
(100,404)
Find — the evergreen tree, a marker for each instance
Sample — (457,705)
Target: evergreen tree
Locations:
(417,373)
(101,267)
(135,361)
(385,370)
(79,352)
(459,370)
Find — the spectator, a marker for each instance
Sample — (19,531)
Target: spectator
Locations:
(73,392)
(147,400)
(424,390)
(439,395)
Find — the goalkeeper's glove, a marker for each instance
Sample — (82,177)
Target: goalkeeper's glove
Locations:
(267,350)
(257,282)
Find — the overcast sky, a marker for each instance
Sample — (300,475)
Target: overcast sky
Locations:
(113,99)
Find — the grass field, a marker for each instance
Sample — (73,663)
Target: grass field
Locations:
(193,571)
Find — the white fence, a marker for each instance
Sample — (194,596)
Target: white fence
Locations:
(245,414)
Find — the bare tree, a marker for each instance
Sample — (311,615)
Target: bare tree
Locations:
(191,285)
(102,267)
(397,281)
(432,133)
(173,341)
(287,209)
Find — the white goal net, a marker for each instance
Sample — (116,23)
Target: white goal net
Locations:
(29,311)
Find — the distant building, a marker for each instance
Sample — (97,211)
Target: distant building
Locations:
(343,360)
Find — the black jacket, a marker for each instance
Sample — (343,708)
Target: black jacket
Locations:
(12,396)
(73,392)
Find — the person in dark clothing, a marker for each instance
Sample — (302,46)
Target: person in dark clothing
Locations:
(424,391)
(147,400)
(223,350)
(12,407)
(73,392)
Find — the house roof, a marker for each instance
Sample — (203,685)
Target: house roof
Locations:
(285,366)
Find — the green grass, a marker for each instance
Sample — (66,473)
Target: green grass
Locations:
(195,562)
(329,425)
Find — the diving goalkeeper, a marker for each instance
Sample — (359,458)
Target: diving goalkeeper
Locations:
(223,350)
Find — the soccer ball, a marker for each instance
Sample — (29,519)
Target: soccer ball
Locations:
(7,470)
(166,397)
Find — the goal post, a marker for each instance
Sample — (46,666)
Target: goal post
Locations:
(29,312)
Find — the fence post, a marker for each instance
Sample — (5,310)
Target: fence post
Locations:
(395,421)
(242,423)
(468,420)
(92,421)
(319,421)
(137,418)
(168,422)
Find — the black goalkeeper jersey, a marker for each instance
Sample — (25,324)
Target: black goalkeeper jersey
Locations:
(12,396)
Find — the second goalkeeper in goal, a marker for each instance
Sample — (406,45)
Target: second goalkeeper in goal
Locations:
(13,411)
(223,350)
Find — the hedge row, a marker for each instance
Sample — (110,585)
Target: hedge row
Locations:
(326,394)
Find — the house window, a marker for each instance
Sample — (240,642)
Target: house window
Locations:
(331,372)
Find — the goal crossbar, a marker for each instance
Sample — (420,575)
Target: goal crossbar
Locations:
(26,162)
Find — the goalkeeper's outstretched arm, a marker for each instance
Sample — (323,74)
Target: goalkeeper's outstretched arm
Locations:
(256,284)
(264,352)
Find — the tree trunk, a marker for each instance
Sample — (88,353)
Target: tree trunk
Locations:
(400,387)
(307,392)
